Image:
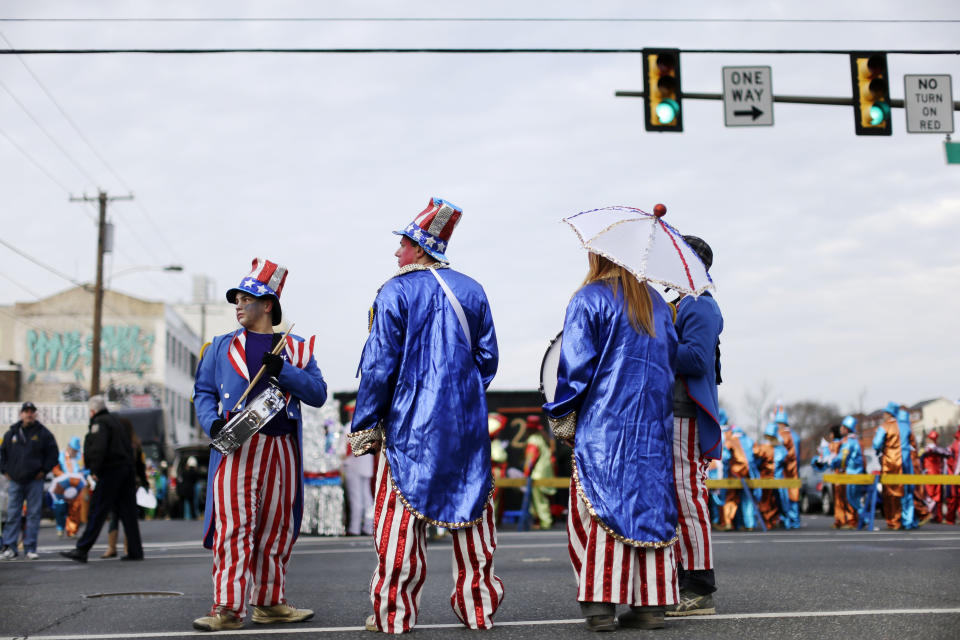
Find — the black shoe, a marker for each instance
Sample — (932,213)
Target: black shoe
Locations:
(129,557)
(601,623)
(75,554)
(642,618)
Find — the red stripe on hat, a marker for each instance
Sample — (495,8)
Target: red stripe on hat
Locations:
(266,272)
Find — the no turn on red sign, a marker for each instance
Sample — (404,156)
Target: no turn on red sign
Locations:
(928,101)
(747,97)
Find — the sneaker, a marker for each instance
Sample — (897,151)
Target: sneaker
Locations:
(692,604)
(8,554)
(217,622)
(282,612)
(642,618)
(371,623)
(32,555)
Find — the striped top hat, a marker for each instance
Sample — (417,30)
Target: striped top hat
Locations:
(433,227)
(265,279)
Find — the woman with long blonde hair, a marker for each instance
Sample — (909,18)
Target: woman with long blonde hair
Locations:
(614,400)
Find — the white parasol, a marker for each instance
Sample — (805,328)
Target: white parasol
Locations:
(643,244)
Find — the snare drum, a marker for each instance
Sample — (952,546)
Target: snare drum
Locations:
(549,368)
(254,417)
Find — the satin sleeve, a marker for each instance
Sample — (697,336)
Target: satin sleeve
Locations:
(381,359)
(879,439)
(697,330)
(579,353)
(485,354)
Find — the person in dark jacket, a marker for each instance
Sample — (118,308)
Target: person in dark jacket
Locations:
(28,453)
(108,453)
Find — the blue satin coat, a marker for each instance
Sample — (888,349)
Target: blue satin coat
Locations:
(699,324)
(850,459)
(620,383)
(217,387)
(425,385)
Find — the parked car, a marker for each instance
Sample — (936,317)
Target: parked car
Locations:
(176,471)
(816,496)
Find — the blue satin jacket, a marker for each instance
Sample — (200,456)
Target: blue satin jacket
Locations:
(850,459)
(620,383)
(425,385)
(699,324)
(222,377)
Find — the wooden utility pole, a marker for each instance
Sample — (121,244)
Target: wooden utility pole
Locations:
(102,198)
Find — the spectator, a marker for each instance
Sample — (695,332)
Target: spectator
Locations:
(187,489)
(109,457)
(28,453)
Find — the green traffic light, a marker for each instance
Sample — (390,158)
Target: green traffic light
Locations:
(667,111)
(879,113)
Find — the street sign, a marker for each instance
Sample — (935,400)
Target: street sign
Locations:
(747,97)
(953,152)
(928,100)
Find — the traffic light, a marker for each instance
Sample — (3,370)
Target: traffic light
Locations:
(662,97)
(871,94)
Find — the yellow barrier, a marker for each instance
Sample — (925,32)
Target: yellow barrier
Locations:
(890,478)
(849,478)
(519,483)
(754,483)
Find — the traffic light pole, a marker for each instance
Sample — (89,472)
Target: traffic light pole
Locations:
(102,199)
(843,102)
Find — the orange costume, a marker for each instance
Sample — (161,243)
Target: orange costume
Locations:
(739,467)
(886,443)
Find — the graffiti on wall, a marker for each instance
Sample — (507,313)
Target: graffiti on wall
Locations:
(123,349)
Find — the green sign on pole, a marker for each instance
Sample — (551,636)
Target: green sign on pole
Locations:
(953,152)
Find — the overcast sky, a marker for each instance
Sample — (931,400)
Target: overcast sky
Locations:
(836,256)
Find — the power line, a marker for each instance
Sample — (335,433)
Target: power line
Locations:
(507,20)
(473,51)
(42,265)
(33,161)
(76,165)
(19,284)
(90,146)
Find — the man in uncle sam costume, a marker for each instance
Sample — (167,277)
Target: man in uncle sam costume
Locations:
(255,494)
(431,353)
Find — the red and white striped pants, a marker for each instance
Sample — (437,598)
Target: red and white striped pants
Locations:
(254,490)
(608,570)
(695,547)
(401,543)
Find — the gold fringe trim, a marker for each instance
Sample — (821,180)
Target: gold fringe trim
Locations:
(564,428)
(605,527)
(362,441)
(437,523)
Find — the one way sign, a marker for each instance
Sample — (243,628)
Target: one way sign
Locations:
(747,97)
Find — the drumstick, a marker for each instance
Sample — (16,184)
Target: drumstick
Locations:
(275,351)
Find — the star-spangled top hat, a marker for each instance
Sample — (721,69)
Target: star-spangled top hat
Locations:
(265,279)
(432,228)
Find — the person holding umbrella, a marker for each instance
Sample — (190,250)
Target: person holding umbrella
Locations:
(618,335)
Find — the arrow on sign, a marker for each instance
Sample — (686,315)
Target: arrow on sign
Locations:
(756,113)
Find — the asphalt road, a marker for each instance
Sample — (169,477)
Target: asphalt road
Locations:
(812,583)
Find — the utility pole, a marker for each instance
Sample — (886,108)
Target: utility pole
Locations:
(103,199)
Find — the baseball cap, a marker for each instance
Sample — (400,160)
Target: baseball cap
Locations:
(28,406)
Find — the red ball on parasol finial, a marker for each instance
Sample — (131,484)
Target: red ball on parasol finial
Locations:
(659,210)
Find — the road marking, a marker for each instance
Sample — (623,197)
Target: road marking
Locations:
(517,623)
(849,539)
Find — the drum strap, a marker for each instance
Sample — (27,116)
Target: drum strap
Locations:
(456,307)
